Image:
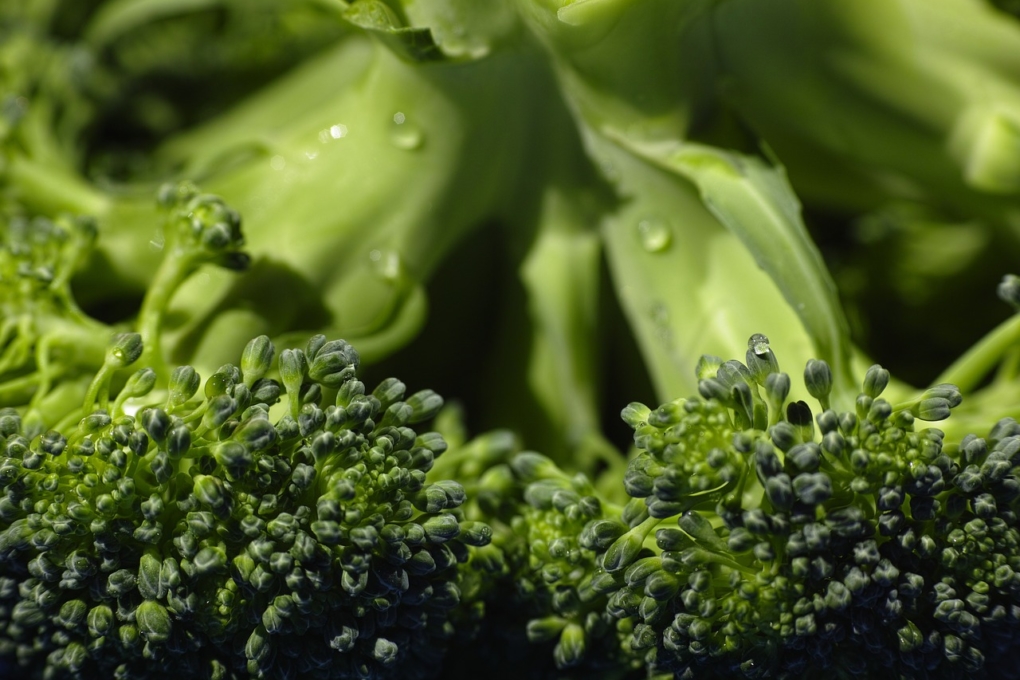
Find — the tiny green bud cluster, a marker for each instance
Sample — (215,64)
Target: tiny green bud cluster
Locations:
(219,535)
(775,541)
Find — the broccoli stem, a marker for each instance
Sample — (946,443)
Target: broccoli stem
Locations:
(176,267)
(53,189)
(20,389)
(1009,367)
(970,369)
(126,221)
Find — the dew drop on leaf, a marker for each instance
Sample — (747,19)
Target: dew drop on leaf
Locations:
(655,234)
(387,263)
(404,134)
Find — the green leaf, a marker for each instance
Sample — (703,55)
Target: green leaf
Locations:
(376,17)
(687,284)
(755,202)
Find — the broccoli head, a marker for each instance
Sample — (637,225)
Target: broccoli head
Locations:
(275,524)
(777,542)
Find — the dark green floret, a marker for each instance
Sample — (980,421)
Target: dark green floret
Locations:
(537,577)
(779,542)
(275,524)
(761,538)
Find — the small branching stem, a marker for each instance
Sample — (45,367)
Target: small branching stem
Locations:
(969,370)
(173,271)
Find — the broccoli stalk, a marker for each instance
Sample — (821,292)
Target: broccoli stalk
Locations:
(313,161)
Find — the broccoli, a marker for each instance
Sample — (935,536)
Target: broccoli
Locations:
(320,259)
(398,102)
(149,528)
(909,203)
(215,534)
(50,346)
(763,539)
(533,582)
(548,209)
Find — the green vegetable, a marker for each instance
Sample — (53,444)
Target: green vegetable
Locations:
(51,348)
(547,209)
(215,535)
(792,548)
(764,537)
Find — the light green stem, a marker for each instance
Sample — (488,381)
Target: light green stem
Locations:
(99,389)
(172,272)
(53,189)
(969,370)
(20,389)
(1010,366)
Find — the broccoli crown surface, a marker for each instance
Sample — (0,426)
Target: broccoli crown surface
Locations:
(232,533)
(775,543)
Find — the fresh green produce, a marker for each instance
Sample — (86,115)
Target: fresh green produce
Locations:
(413,113)
(210,536)
(150,529)
(911,109)
(780,541)
(51,348)
(545,209)
(766,539)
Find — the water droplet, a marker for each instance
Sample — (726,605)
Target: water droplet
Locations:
(405,135)
(337,131)
(655,234)
(759,343)
(387,263)
(277,163)
(311,155)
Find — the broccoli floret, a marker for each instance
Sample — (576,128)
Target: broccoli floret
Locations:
(40,314)
(49,348)
(276,524)
(778,541)
(761,539)
(534,582)
(554,577)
